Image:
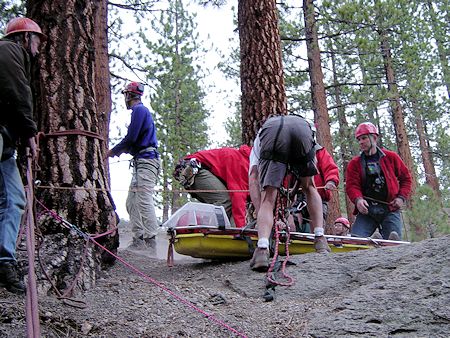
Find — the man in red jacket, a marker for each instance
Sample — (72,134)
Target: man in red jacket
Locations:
(378,183)
(326,181)
(218,169)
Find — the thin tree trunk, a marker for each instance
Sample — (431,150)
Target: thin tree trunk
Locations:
(396,108)
(345,135)
(441,49)
(319,103)
(71,101)
(262,80)
(427,160)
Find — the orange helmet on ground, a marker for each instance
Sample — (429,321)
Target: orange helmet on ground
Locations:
(344,221)
(365,128)
(18,25)
(134,87)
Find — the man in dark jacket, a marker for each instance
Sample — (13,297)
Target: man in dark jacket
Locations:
(21,42)
(142,144)
(378,183)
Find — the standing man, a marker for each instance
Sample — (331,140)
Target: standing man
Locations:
(285,142)
(142,144)
(21,42)
(378,183)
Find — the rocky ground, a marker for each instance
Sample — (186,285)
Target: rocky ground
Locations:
(402,291)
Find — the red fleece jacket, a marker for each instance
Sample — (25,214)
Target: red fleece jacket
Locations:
(397,175)
(328,171)
(231,166)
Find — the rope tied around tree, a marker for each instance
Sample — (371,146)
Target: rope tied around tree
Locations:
(69,132)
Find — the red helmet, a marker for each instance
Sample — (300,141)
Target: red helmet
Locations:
(18,25)
(134,87)
(344,221)
(365,128)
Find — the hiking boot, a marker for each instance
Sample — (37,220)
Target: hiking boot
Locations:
(393,236)
(376,235)
(260,260)
(141,243)
(321,245)
(10,279)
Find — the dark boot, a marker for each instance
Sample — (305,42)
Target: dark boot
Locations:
(260,260)
(10,279)
(321,245)
(393,236)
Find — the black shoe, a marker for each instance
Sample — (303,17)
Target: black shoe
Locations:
(393,236)
(10,279)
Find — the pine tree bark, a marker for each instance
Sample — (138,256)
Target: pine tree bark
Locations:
(443,55)
(72,110)
(428,164)
(262,80)
(319,103)
(345,136)
(396,108)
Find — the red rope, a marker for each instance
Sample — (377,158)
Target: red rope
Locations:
(279,225)
(32,309)
(148,278)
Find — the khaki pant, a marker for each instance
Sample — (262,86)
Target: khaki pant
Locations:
(140,204)
(205,180)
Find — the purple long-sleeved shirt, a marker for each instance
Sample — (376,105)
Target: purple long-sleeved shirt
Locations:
(141,135)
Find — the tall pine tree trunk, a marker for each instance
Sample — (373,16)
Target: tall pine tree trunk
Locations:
(73,107)
(319,102)
(262,81)
(427,160)
(396,108)
(443,55)
(345,135)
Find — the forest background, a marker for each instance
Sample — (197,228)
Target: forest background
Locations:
(338,63)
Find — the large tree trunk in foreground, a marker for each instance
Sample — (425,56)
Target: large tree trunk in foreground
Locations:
(73,107)
(319,101)
(262,81)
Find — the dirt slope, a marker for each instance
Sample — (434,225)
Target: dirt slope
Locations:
(390,292)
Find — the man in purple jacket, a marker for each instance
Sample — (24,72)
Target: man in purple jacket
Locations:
(142,144)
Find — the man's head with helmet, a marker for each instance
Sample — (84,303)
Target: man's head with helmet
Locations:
(133,92)
(25,32)
(367,135)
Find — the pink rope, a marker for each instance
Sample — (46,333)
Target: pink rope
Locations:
(146,277)
(32,310)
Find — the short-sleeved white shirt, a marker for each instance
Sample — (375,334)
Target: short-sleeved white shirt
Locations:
(254,154)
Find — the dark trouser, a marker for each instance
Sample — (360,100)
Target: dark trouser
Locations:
(379,216)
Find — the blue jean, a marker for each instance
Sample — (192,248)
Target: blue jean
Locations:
(12,206)
(387,221)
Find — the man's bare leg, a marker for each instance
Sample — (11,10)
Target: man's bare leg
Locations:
(314,205)
(260,259)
